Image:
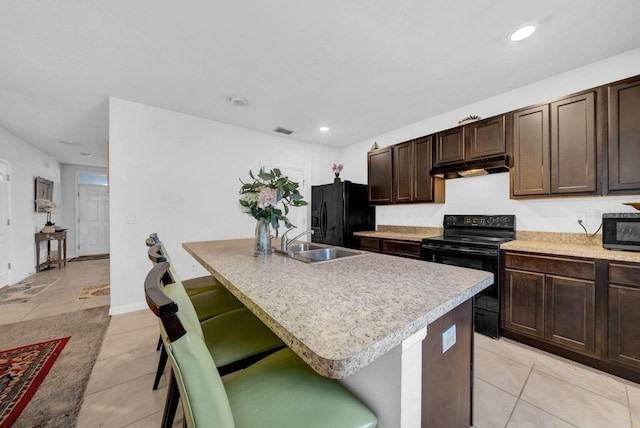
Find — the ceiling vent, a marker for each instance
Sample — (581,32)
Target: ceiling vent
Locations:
(284,131)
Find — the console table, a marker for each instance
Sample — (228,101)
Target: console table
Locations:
(61,237)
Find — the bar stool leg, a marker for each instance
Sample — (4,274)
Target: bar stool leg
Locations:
(171,405)
(161,365)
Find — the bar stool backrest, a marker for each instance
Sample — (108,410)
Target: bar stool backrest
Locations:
(174,289)
(205,401)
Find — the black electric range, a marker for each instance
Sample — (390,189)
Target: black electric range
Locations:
(473,241)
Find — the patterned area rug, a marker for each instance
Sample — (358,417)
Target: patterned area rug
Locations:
(95,291)
(22,370)
(24,290)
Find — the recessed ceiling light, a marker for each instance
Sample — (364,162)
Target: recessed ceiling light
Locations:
(73,143)
(87,155)
(239,101)
(324,128)
(523,31)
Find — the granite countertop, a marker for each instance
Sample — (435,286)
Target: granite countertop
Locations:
(403,233)
(341,315)
(571,249)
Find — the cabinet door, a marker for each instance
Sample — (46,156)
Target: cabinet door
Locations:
(423,186)
(570,313)
(573,145)
(486,138)
(624,316)
(523,302)
(450,146)
(380,176)
(403,172)
(624,137)
(530,172)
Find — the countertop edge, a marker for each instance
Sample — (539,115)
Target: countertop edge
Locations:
(575,250)
(416,237)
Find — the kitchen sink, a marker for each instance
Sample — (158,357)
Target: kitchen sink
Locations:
(304,246)
(313,253)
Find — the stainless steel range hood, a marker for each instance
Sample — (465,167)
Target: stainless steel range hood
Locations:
(485,166)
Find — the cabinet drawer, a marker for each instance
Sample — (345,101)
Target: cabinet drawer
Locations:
(582,269)
(624,274)
(368,244)
(400,248)
(388,245)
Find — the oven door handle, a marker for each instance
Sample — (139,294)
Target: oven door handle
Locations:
(491,253)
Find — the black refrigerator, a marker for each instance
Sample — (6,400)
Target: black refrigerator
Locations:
(338,210)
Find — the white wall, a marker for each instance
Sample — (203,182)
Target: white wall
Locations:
(68,206)
(178,175)
(490,194)
(26,162)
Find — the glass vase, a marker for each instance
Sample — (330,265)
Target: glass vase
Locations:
(262,245)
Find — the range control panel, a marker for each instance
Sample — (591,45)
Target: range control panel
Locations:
(497,221)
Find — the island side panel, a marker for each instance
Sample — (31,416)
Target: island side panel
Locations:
(447,378)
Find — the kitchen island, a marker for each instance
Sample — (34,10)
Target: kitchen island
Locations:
(360,319)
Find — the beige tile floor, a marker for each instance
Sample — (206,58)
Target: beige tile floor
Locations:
(515,385)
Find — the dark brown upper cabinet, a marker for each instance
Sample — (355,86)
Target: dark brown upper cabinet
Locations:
(624,137)
(450,146)
(400,174)
(530,172)
(426,188)
(555,148)
(486,138)
(477,140)
(403,172)
(573,145)
(380,175)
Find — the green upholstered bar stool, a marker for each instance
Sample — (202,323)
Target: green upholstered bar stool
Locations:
(235,339)
(207,304)
(210,301)
(193,285)
(280,391)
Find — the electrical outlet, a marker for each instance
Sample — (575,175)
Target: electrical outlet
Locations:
(448,338)
(581,217)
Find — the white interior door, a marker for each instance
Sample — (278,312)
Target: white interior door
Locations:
(4,223)
(93,220)
(297,215)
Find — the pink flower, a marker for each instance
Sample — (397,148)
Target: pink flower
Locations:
(267,197)
(337,167)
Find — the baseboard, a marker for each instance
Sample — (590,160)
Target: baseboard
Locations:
(125,309)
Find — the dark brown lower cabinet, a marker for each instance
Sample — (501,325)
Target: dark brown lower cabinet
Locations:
(447,377)
(624,314)
(393,247)
(582,309)
(571,313)
(524,302)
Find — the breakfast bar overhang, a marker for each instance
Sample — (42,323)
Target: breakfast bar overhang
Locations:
(362,319)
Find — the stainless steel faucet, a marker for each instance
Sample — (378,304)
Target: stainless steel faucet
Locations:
(285,242)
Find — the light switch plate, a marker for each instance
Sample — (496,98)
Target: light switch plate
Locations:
(448,338)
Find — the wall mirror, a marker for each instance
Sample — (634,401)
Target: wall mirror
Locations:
(44,190)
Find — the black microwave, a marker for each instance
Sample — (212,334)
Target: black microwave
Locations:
(621,231)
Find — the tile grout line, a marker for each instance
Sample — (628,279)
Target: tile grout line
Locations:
(519,395)
(626,388)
